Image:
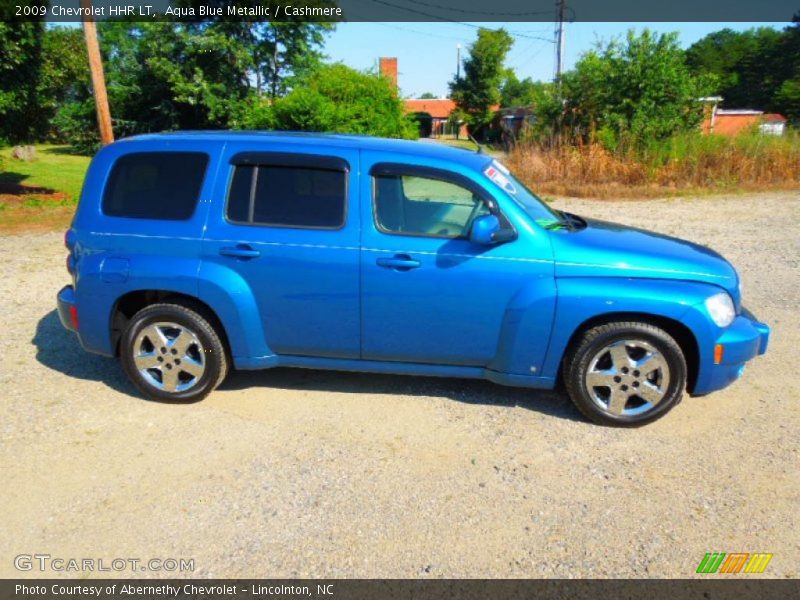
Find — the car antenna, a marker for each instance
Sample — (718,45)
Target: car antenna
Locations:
(474,141)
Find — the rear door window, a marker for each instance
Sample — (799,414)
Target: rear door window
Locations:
(155,185)
(299,195)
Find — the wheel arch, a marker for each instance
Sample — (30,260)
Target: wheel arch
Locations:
(132,302)
(679,332)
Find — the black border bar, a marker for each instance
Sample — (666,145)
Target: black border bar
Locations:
(711,588)
(500,11)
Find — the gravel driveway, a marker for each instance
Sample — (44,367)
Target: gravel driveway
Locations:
(291,473)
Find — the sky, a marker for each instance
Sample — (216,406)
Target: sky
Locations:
(426,52)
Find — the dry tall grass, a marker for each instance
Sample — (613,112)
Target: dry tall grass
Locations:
(686,163)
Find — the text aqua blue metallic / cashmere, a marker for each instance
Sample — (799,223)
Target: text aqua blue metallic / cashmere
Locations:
(363,297)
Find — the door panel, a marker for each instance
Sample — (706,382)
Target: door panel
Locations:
(433,296)
(305,279)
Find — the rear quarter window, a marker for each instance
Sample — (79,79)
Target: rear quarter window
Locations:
(155,185)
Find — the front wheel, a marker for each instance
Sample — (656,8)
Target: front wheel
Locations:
(172,352)
(625,373)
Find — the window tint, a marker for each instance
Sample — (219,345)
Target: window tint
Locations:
(287,196)
(414,205)
(155,185)
(239,195)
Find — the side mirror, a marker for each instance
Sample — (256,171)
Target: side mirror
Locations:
(486,231)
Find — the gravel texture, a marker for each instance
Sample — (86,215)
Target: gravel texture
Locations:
(291,473)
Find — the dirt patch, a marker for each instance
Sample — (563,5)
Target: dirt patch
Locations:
(15,220)
(26,208)
(306,473)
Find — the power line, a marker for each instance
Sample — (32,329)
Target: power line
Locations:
(522,49)
(418,32)
(514,32)
(522,57)
(439,18)
(478,12)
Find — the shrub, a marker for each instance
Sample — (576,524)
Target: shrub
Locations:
(623,93)
(333,98)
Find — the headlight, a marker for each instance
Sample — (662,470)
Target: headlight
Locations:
(720,307)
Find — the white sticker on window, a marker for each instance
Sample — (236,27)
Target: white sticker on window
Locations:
(497,173)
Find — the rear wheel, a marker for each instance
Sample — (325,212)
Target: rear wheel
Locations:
(625,373)
(172,352)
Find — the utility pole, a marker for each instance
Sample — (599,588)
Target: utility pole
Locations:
(98,78)
(458,62)
(560,38)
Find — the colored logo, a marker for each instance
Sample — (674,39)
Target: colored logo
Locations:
(741,562)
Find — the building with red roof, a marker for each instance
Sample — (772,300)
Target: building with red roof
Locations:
(736,121)
(432,113)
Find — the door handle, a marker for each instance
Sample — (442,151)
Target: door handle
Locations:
(399,262)
(242,251)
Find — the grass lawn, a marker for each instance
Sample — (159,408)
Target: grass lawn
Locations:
(40,194)
(56,170)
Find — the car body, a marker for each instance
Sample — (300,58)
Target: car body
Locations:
(367,254)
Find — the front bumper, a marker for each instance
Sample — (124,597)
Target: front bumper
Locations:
(742,340)
(67,310)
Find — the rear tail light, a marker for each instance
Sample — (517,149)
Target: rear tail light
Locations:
(73,316)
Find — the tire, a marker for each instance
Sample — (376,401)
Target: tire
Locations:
(171,352)
(625,374)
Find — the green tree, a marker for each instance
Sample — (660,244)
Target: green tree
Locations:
(21,118)
(635,91)
(744,63)
(160,76)
(786,99)
(526,92)
(172,75)
(64,80)
(427,96)
(42,68)
(166,76)
(335,98)
(287,51)
(279,50)
(477,93)
(758,68)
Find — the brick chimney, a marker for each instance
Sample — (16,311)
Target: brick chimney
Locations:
(388,68)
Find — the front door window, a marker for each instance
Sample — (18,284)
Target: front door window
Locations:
(425,206)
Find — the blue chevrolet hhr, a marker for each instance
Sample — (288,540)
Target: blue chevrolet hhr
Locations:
(191,253)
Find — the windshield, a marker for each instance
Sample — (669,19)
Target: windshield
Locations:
(536,208)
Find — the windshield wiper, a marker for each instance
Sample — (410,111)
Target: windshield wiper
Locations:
(564,221)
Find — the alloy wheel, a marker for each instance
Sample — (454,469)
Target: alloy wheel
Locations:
(627,377)
(169,356)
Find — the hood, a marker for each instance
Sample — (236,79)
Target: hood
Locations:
(613,250)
